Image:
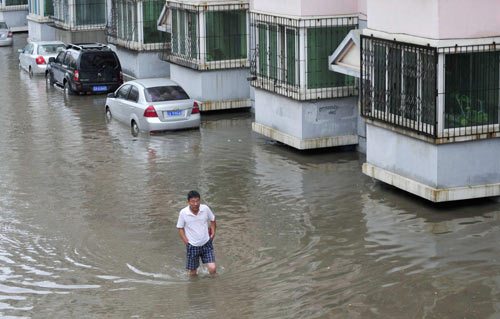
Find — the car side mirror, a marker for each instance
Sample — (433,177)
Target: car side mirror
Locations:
(52,60)
(111,95)
(20,51)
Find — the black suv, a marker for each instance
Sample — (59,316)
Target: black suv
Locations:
(85,68)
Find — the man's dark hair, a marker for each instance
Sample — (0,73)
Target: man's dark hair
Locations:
(193,194)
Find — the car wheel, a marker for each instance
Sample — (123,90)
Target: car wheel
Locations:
(134,129)
(30,72)
(67,89)
(109,116)
(48,78)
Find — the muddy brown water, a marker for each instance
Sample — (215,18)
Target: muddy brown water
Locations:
(88,213)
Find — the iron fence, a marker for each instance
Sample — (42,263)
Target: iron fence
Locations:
(207,37)
(134,24)
(399,84)
(290,56)
(471,90)
(80,14)
(13,5)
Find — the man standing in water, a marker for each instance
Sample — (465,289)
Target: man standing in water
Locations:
(197,234)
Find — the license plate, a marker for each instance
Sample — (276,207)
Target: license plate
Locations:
(174,113)
(100,88)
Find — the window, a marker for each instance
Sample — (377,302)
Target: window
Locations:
(15,2)
(49,8)
(184,33)
(123,92)
(60,57)
(277,52)
(127,20)
(320,44)
(165,93)
(472,89)
(50,48)
(90,12)
(399,84)
(67,59)
(98,60)
(226,35)
(150,13)
(134,94)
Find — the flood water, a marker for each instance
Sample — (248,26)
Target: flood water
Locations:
(88,215)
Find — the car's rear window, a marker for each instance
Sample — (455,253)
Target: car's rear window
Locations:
(98,60)
(50,48)
(3,25)
(165,93)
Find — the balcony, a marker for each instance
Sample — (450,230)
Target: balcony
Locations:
(207,36)
(134,25)
(444,95)
(289,56)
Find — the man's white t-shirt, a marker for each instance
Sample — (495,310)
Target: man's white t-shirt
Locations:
(196,226)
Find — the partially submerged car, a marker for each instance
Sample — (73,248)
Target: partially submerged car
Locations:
(5,34)
(152,105)
(35,55)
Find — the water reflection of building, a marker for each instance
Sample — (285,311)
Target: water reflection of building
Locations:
(415,239)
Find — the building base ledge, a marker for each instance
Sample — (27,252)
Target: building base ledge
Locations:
(430,193)
(304,144)
(223,105)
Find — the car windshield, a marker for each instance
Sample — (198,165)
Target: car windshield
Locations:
(165,93)
(3,25)
(98,60)
(50,48)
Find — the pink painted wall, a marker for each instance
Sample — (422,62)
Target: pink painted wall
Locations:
(469,19)
(436,19)
(307,7)
(414,17)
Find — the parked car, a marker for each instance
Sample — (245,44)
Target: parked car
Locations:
(85,68)
(152,105)
(5,35)
(33,58)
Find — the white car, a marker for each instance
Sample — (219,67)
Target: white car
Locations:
(152,105)
(35,55)
(5,35)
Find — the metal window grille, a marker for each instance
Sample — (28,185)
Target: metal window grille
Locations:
(13,5)
(290,56)
(80,14)
(399,84)
(471,90)
(134,24)
(208,37)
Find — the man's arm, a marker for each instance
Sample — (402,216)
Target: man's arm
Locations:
(212,229)
(182,233)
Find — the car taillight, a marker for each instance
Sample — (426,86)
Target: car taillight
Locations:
(76,76)
(121,77)
(40,60)
(9,35)
(196,108)
(150,112)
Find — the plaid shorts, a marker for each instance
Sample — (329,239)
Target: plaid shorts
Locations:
(193,254)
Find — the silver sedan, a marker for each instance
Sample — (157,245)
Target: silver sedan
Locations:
(5,35)
(152,105)
(35,55)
